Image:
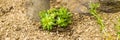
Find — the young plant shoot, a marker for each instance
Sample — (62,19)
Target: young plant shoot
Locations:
(50,18)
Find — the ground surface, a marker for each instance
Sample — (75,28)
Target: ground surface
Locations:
(16,25)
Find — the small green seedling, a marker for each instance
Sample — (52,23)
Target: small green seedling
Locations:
(50,18)
(93,11)
(117,28)
(47,20)
(63,17)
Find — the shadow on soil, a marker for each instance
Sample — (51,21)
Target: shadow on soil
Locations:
(59,30)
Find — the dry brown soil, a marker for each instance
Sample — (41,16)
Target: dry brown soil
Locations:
(15,24)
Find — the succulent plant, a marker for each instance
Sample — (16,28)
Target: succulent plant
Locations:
(60,17)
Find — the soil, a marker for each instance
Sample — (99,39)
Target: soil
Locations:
(15,24)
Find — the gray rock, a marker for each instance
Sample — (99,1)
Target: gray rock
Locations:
(110,6)
(35,6)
